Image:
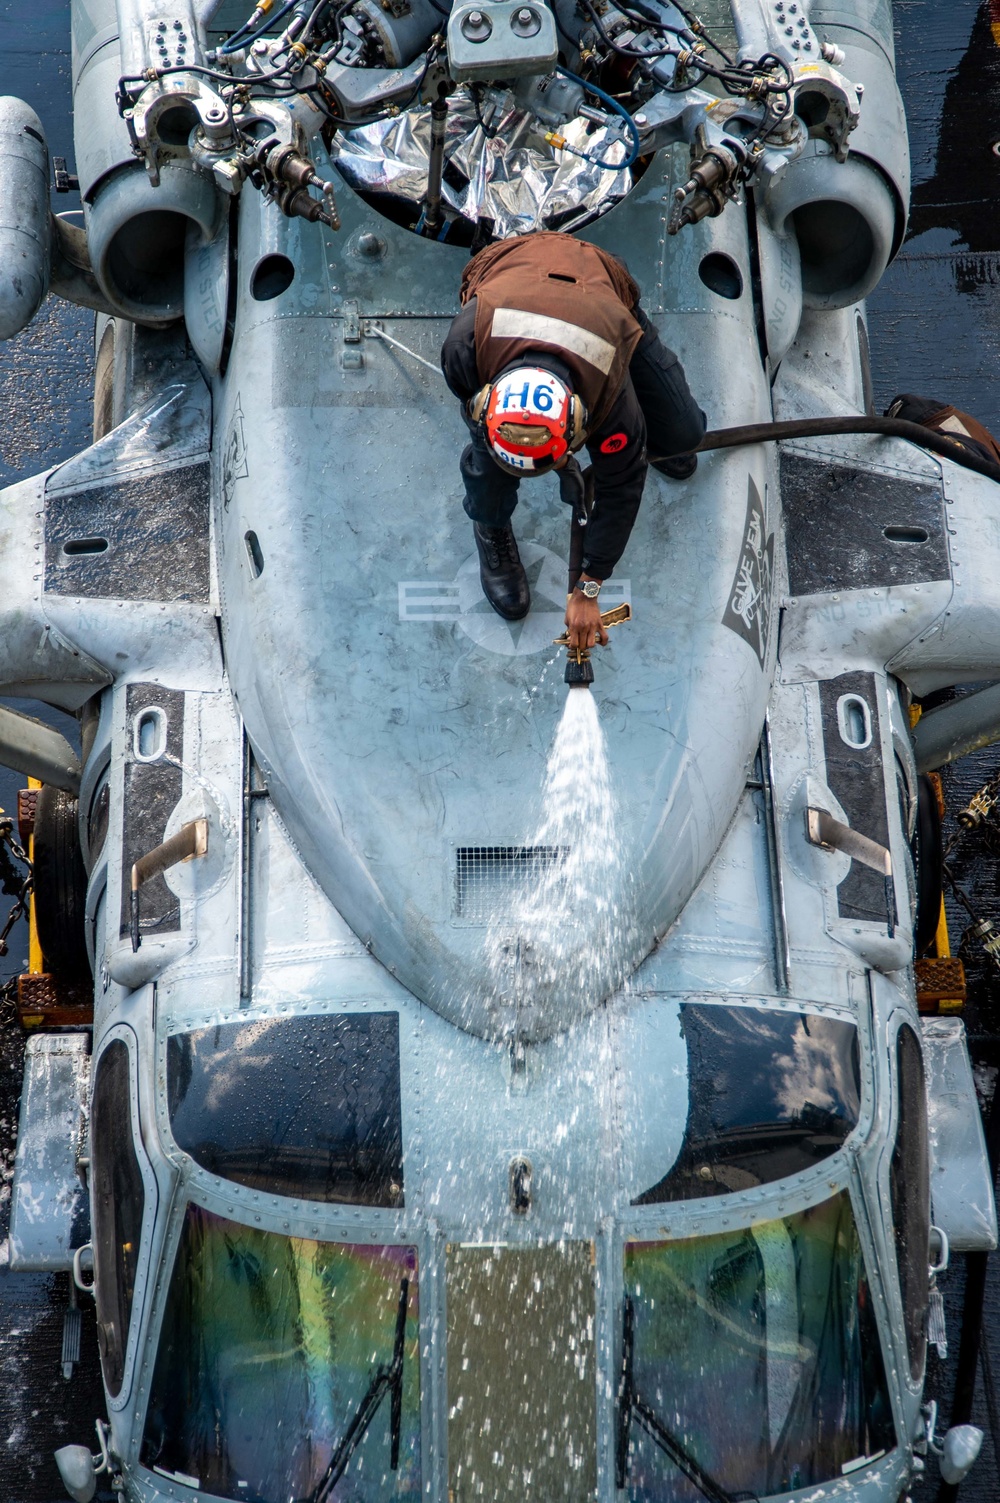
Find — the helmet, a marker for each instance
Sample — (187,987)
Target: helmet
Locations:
(530,418)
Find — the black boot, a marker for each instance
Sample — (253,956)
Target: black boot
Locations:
(505,583)
(678,467)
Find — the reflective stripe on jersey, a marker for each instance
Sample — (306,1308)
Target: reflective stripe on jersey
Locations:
(512,323)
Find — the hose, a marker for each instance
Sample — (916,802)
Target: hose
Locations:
(239,39)
(619,109)
(916,433)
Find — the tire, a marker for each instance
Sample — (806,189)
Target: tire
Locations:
(928,856)
(60,886)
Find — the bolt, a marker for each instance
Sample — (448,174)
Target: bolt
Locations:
(524,16)
(475,18)
(640,120)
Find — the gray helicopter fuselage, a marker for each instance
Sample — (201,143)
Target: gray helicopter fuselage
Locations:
(331,1132)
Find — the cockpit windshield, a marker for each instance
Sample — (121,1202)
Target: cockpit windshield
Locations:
(751,1361)
(285,1364)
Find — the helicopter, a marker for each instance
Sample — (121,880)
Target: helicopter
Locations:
(380,1189)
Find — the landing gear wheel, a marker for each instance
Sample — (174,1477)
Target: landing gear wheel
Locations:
(928,858)
(60,886)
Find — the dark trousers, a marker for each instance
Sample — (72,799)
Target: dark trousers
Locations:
(674,422)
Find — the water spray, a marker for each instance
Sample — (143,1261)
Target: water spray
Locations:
(576,487)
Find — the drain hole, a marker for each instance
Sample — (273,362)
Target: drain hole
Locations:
(906,534)
(254,554)
(75,546)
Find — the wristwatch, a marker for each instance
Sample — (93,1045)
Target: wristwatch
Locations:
(589,587)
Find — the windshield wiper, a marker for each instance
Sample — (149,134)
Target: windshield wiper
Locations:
(385,1380)
(632,1406)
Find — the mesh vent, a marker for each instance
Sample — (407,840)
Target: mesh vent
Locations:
(489,877)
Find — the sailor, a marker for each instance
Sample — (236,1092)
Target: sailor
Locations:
(552,351)
(943,418)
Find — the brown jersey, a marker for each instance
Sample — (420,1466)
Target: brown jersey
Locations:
(551,292)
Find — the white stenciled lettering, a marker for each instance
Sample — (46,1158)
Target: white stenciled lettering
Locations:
(746,600)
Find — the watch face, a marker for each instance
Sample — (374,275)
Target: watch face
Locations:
(591,589)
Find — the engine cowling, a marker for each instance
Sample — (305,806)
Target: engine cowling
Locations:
(136,231)
(843,219)
(849,218)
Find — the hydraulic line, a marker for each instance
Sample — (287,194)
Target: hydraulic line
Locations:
(241,38)
(915,433)
(619,109)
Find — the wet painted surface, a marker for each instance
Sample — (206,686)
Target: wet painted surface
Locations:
(934,330)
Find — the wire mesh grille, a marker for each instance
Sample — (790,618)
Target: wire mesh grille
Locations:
(488,878)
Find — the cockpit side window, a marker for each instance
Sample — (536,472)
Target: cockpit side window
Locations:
(770,1095)
(119,1201)
(909,1182)
(294,1106)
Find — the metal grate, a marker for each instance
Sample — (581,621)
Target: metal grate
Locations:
(489,877)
